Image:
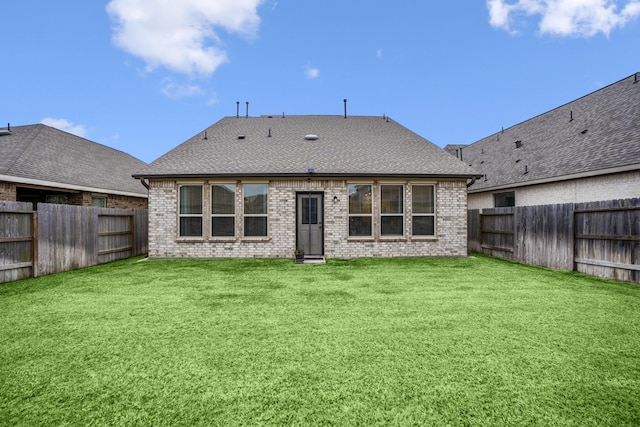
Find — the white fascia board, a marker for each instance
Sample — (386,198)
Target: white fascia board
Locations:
(42,183)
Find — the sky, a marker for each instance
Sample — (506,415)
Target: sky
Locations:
(143,76)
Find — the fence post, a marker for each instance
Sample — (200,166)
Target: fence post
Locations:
(34,244)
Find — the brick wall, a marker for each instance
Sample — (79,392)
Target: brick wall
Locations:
(126,202)
(592,189)
(7,191)
(450,238)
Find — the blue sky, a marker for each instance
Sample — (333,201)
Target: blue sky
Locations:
(143,76)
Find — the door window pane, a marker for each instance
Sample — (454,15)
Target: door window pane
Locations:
(309,210)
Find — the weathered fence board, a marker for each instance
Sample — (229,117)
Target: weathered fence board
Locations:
(607,239)
(63,237)
(598,238)
(17,243)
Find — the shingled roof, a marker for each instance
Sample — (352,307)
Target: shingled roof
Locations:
(42,155)
(593,135)
(296,145)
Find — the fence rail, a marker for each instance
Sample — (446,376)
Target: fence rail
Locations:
(597,238)
(58,238)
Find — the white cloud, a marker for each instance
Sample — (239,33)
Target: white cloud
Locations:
(65,125)
(311,72)
(379,53)
(177,91)
(181,35)
(577,18)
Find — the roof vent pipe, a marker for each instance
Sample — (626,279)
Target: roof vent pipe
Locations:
(237,109)
(269,136)
(247,116)
(635,79)
(571,116)
(345,108)
(9,127)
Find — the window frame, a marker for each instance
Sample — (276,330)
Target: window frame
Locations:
(400,214)
(245,215)
(358,215)
(191,215)
(504,195)
(224,215)
(423,214)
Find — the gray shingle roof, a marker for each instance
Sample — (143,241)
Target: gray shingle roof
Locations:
(355,146)
(43,153)
(590,135)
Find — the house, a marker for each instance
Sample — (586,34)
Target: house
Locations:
(333,186)
(586,150)
(41,164)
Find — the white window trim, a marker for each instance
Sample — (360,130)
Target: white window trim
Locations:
(233,215)
(245,215)
(401,214)
(201,215)
(373,204)
(435,209)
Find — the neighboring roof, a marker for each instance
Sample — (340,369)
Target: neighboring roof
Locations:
(596,134)
(353,146)
(45,156)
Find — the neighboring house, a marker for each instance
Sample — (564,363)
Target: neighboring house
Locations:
(41,164)
(586,150)
(330,185)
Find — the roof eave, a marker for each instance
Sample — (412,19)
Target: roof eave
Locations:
(303,175)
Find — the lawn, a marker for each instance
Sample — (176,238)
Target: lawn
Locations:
(472,341)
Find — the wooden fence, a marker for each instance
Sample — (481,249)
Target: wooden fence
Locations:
(58,238)
(597,238)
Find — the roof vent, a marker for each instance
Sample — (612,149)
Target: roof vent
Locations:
(241,137)
(584,131)
(311,137)
(4,132)
(518,144)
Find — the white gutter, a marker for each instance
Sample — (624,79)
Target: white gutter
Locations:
(619,169)
(41,183)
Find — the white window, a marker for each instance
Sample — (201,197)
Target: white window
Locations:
(423,217)
(190,210)
(256,210)
(360,210)
(223,210)
(391,210)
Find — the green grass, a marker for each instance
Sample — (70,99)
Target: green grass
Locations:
(474,341)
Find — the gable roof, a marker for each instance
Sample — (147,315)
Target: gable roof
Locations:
(42,155)
(276,146)
(596,134)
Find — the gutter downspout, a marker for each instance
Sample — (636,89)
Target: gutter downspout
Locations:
(146,184)
(469,184)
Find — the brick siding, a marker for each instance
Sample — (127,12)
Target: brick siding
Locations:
(450,239)
(8,191)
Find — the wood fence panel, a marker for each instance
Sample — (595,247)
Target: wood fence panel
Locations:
(497,232)
(607,239)
(66,238)
(115,234)
(544,236)
(17,244)
(141,224)
(473,231)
